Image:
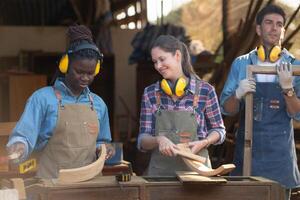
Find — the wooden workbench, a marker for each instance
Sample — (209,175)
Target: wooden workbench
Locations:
(159,188)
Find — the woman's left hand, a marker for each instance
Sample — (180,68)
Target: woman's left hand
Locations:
(197,146)
(110,151)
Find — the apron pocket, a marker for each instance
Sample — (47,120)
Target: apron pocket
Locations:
(78,134)
(271,146)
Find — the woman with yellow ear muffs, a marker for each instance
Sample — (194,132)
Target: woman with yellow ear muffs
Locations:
(180,108)
(66,122)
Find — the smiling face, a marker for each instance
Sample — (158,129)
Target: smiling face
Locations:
(271,30)
(80,75)
(167,64)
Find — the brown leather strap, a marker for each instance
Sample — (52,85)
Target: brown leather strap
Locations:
(196,95)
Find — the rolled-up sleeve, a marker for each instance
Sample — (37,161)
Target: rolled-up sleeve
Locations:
(146,119)
(237,73)
(104,135)
(214,117)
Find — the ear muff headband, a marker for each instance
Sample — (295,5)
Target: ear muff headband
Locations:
(178,89)
(64,61)
(273,55)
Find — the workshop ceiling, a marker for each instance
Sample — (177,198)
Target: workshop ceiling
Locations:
(50,12)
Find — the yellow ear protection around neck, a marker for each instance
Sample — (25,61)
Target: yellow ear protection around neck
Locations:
(64,61)
(174,89)
(273,55)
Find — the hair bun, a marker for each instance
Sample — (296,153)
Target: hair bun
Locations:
(79,32)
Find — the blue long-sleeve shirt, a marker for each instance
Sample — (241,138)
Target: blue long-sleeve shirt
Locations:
(39,118)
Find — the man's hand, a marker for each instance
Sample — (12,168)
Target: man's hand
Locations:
(245,86)
(285,74)
(165,146)
(16,151)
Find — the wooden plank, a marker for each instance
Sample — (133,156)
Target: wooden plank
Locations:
(68,176)
(9,194)
(203,170)
(18,184)
(251,70)
(193,177)
(190,155)
(199,167)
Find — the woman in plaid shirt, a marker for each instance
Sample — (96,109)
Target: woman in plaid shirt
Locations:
(179,109)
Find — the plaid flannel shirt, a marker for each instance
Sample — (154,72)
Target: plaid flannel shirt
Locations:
(208,114)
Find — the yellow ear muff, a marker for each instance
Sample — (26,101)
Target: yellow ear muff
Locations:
(180,87)
(166,87)
(97,70)
(273,56)
(275,53)
(177,90)
(63,64)
(261,53)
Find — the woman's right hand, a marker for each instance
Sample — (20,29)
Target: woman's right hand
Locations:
(166,146)
(17,151)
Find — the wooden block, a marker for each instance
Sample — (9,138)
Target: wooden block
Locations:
(9,194)
(18,184)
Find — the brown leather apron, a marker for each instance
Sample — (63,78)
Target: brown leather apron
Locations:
(73,143)
(179,127)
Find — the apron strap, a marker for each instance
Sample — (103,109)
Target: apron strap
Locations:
(196,96)
(91,101)
(158,101)
(58,96)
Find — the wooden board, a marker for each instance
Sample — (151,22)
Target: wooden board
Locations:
(193,177)
(202,169)
(68,176)
(190,155)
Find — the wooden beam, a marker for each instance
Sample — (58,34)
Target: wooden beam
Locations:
(255,69)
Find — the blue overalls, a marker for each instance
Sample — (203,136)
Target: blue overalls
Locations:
(273,149)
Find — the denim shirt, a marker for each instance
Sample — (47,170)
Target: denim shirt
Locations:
(238,72)
(39,118)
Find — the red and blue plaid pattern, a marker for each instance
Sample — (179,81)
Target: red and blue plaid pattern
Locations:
(208,114)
